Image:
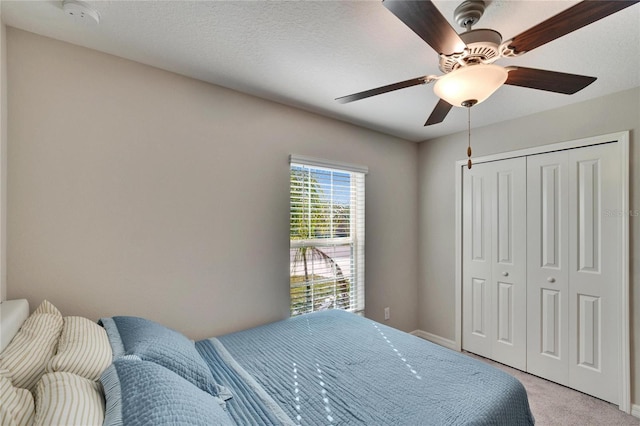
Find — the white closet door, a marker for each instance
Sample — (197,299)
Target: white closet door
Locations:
(509,252)
(594,265)
(476,293)
(548,266)
(573,265)
(494,271)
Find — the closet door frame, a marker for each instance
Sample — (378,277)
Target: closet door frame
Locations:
(622,141)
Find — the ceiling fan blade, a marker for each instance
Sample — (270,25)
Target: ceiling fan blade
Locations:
(424,18)
(383,89)
(439,113)
(550,81)
(574,18)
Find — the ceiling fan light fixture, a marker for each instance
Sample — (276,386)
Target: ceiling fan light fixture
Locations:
(469,83)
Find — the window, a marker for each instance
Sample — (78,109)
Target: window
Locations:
(326,250)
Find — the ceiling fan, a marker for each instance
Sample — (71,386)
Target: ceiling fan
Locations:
(467,59)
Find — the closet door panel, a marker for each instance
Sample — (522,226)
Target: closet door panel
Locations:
(509,291)
(494,264)
(594,271)
(550,323)
(548,266)
(548,203)
(476,300)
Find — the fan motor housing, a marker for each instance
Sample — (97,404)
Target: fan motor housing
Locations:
(483,47)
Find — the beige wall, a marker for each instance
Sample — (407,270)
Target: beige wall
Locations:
(136,191)
(3,160)
(436,286)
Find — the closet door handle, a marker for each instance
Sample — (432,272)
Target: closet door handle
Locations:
(505,274)
(551,280)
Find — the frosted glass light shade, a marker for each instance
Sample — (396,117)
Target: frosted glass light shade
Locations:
(472,82)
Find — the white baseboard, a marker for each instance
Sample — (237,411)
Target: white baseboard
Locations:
(450,344)
(635,410)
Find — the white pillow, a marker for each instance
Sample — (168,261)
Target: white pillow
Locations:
(27,355)
(16,405)
(68,399)
(83,349)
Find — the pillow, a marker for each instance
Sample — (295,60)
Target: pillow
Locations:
(144,393)
(168,348)
(114,336)
(47,308)
(31,349)
(68,399)
(16,405)
(83,349)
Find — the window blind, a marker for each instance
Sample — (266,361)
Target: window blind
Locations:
(326,250)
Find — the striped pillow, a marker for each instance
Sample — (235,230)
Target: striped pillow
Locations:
(32,347)
(16,405)
(83,349)
(68,399)
(47,308)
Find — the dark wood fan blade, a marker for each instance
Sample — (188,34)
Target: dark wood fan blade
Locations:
(574,18)
(383,89)
(439,113)
(424,18)
(550,81)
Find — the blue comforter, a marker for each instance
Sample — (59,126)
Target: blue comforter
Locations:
(336,368)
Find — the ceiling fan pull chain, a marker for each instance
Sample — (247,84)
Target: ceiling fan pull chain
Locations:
(469,136)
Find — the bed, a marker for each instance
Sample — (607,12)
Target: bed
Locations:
(326,368)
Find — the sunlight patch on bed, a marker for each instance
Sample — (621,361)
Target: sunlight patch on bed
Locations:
(397,352)
(296,390)
(325,399)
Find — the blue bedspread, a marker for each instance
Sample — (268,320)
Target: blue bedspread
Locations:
(336,368)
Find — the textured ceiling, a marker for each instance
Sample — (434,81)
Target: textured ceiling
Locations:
(306,53)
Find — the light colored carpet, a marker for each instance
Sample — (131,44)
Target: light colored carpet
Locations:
(553,404)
